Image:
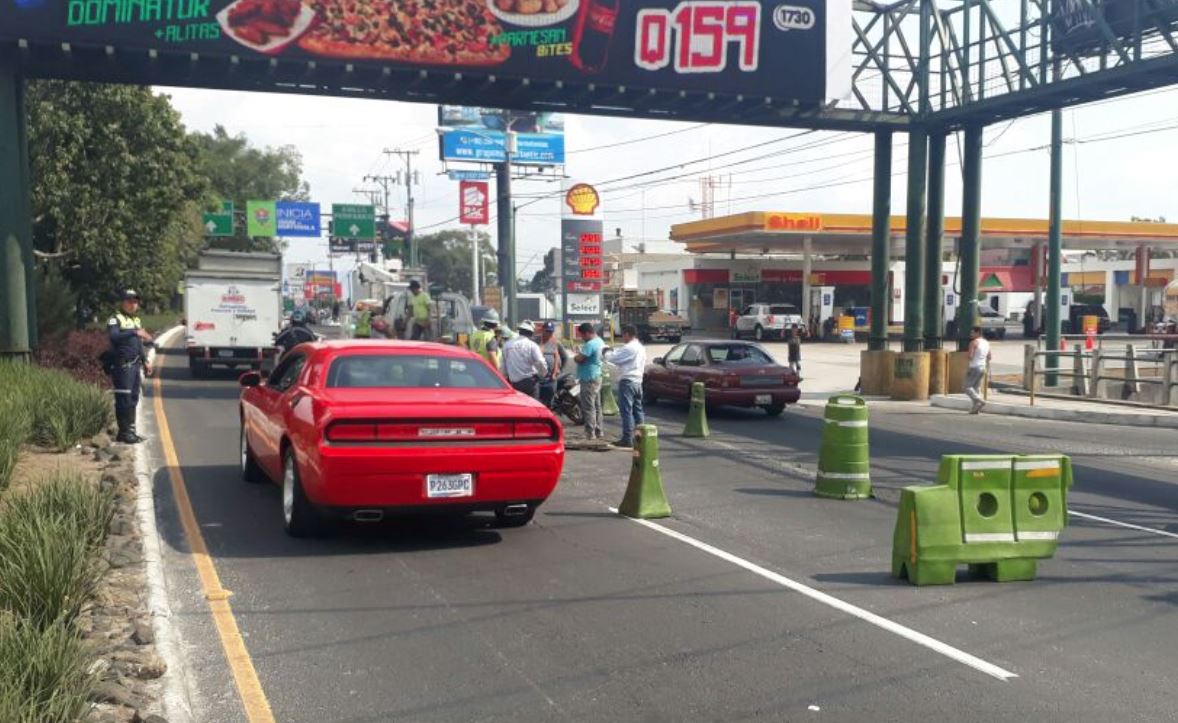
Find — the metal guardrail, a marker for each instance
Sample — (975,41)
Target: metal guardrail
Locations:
(1087,378)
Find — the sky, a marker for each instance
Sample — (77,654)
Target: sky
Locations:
(1121,160)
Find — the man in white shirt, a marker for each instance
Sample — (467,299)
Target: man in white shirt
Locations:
(523,362)
(630,361)
(979,359)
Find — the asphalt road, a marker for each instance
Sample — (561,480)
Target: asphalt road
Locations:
(587,616)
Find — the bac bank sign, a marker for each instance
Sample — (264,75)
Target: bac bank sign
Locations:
(796,50)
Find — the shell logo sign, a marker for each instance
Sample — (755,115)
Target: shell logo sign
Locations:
(582,199)
(792,222)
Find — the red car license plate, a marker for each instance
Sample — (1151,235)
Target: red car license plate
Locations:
(449,485)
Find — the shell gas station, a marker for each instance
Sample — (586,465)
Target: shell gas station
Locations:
(821,262)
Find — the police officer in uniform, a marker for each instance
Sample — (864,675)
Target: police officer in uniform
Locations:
(127,339)
(484,342)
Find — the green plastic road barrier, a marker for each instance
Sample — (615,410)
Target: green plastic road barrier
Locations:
(697,416)
(999,514)
(844,465)
(645,498)
(609,403)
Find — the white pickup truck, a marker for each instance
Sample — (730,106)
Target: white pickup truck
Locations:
(768,321)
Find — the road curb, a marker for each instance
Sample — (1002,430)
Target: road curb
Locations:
(1060,415)
(178,695)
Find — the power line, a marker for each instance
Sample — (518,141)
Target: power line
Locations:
(639,140)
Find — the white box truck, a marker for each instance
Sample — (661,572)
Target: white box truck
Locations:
(232,310)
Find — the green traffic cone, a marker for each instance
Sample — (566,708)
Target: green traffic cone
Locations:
(645,498)
(609,403)
(697,417)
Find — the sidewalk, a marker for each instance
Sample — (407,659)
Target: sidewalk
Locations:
(1066,410)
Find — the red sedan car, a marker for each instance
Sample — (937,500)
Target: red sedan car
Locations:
(358,430)
(734,374)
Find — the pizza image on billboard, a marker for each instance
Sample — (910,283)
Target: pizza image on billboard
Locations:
(754,47)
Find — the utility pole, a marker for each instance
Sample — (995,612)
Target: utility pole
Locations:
(385,182)
(506,251)
(410,177)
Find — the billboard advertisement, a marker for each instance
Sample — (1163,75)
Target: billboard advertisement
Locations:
(298,220)
(797,51)
(473,208)
(479,135)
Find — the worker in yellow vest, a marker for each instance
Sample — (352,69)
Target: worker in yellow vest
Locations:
(363,321)
(484,342)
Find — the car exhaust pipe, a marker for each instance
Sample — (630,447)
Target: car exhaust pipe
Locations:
(368,515)
(515,510)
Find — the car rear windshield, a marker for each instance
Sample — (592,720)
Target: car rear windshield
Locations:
(738,354)
(410,371)
(783,309)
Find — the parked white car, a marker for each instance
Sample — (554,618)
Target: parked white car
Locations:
(768,321)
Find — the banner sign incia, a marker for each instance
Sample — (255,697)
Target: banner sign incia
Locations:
(795,51)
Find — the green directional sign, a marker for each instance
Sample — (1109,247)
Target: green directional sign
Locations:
(353,221)
(219,223)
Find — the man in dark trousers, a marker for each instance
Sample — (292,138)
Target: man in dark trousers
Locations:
(795,349)
(128,358)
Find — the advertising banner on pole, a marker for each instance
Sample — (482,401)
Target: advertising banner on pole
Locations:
(796,51)
(260,219)
(298,220)
(472,203)
(581,267)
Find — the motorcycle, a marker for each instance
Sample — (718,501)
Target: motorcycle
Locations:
(568,397)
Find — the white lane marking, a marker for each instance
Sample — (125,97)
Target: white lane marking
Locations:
(877,620)
(1118,523)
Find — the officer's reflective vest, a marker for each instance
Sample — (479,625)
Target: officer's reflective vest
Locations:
(480,344)
(364,324)
(133,348)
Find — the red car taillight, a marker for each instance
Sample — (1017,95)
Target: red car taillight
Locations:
(438,432)
(730,380)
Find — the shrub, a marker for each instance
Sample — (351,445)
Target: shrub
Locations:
(49,542)
(56,304)
(76,354)
(44,672)
(61,410)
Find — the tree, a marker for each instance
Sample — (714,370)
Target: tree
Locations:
(446,257)
(115,189)
(240,172)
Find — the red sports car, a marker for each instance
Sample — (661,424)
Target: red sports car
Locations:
(360,429)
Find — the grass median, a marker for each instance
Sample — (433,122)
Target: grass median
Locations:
(52,534)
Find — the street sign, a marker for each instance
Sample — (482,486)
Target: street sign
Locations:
(472,203)
(353,221)
(219,223)
(493,297)
(455,175)
(260,219)
(298,219)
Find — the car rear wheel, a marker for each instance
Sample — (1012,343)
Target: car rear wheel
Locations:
(774,410)
(250,471)
(299,517)
(503,519)
(759,333)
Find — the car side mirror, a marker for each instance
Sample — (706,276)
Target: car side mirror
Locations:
(250,379)
(660,361)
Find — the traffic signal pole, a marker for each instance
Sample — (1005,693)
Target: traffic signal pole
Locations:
(506,223)
(881,218)
(17,321)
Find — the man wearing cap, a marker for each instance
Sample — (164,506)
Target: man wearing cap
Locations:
(418,311)
(523,363)
(127,338)
(553,357)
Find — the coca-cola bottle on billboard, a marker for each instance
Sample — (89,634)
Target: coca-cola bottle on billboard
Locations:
(595,31)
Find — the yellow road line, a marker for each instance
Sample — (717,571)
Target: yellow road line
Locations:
(249,688)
